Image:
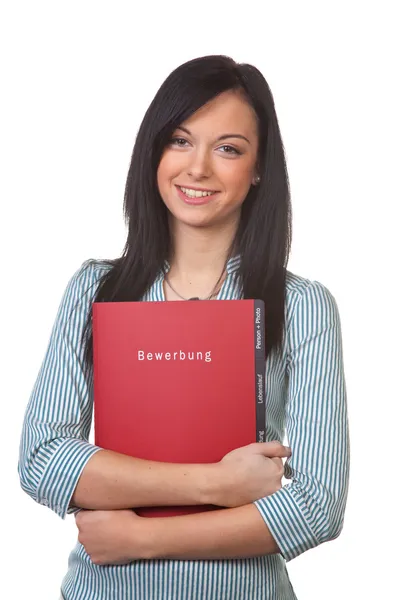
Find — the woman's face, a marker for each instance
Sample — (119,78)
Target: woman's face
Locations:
(207,168)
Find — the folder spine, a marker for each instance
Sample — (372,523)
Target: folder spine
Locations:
(259,341)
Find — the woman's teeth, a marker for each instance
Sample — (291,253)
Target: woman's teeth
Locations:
(195,193)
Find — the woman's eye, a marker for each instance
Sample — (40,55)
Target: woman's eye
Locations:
(229,150)
(178,142)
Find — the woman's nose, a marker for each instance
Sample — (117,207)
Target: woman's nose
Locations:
(199,166)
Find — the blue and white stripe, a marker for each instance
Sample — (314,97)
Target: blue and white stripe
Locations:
(305,396)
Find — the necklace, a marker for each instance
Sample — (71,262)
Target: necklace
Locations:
(212,295)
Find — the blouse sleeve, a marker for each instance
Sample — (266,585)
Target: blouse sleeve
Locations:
(54,445)
(310,509)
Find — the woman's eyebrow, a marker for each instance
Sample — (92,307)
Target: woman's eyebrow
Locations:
(221,137)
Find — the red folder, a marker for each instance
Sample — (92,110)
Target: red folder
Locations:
(179,382)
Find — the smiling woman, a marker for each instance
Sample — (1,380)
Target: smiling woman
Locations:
(208,210)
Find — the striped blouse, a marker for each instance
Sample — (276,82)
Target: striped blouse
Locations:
(305,397)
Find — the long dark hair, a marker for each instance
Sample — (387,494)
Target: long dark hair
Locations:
(263,238)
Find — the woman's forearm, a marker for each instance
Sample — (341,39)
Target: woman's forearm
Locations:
(115,481)
(228,533)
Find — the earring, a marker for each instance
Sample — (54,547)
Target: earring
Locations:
(257,180)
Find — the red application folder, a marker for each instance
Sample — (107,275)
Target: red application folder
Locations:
(178,382)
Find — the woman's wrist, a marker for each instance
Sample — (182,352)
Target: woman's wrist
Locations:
(195,484)
(144,539)
(213,483)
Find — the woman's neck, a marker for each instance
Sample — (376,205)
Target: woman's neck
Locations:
(199,258)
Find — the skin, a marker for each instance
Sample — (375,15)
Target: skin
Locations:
(197,157)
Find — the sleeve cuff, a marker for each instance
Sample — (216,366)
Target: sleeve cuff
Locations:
(287,517)
(62,473)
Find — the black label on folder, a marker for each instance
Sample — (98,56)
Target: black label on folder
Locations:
(259,341)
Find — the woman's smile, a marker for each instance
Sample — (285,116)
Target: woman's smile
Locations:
(195,197)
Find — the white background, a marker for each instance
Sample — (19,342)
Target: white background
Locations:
(77,78)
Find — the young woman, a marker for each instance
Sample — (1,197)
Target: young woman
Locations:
(208,208)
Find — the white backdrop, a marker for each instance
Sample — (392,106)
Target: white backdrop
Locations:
(77,78)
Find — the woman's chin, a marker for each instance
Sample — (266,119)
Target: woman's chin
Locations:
(195,223)
(203,218)
(195,218)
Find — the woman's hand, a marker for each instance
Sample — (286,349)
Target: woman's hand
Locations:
(248,473)
(111,536)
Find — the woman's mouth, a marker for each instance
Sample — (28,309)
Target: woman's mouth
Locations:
(193,196)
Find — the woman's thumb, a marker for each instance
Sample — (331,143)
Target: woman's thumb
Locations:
(275,450)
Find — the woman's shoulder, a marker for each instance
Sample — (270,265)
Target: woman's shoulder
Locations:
(299,286)
(94,268)
(85,279)
(296,284)
(306,297)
